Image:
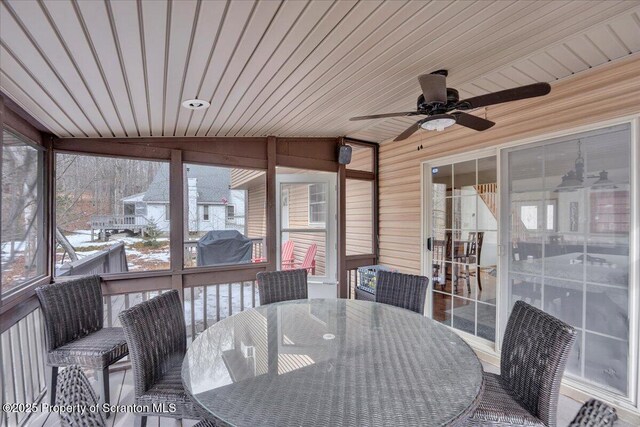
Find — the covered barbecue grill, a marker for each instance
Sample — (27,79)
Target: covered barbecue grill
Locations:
(223,247)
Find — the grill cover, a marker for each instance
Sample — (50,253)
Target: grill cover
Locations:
(223,247)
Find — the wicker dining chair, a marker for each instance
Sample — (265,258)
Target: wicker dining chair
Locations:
(276,286)
(157,338)
(534,354)
(75,391)
(595,413)
(74,332)
(402,290)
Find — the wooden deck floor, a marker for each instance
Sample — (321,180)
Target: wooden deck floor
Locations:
(122,394)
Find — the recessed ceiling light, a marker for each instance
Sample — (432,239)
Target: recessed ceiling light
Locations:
(195,104)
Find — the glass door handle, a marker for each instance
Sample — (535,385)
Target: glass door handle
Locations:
(430,244)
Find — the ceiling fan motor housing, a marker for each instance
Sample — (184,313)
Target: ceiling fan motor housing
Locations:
(438,108)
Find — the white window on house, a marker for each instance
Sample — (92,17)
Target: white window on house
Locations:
(231,212)
(530,215)
(205,212)
(317,204)
(167,212)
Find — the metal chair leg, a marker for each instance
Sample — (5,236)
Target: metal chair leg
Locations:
(52,382)
(103,384)
(141,421)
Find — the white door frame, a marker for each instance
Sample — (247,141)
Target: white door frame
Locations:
(425,232)
(312,177)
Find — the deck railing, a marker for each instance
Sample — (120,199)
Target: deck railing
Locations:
(111,260)
(203,305)
(22,374)
(22,371)
(118,222)
(206,305)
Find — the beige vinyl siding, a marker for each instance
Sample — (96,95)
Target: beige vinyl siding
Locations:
(359,203)
(240,177)
(254,181)
(592,96)
(256,209)
(359,217)
(361,158)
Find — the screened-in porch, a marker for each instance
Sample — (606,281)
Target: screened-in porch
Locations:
(320,213)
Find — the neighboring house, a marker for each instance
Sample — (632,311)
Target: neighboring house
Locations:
(212,204)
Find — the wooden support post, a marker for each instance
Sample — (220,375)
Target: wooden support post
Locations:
(176,231)
(343,286)
(271,239)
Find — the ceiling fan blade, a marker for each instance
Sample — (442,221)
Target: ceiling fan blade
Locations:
(434,87)
(381,116)
(409,131)
(517,93)
(472,122)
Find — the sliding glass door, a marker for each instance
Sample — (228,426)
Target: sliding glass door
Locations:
(462,244)
(566,232)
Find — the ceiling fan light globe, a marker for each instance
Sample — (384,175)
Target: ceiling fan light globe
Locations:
(438,124)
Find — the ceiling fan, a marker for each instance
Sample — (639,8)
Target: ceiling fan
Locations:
(443,107)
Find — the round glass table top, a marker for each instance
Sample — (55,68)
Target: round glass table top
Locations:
(331,362)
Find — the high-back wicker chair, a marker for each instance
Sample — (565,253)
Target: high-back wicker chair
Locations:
(157,338)
(276,286)
(402,290)
(73,319)
(534,354)
(73,390)
(595,413)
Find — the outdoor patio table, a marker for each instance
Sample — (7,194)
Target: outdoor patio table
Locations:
(332,362)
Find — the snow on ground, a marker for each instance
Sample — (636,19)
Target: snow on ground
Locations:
(82,238)
(162,256)
(18,246)
(198,301)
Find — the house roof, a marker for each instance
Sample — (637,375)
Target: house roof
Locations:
(212,184)
(134,197)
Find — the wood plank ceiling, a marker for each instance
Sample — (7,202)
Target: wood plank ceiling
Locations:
(293,68)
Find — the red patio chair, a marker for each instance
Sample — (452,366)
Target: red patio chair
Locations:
(309,261)
(287,256)
(288,259)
